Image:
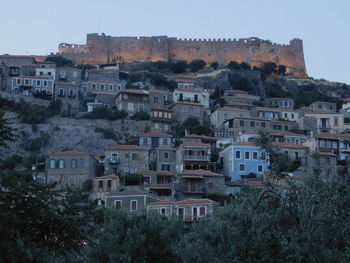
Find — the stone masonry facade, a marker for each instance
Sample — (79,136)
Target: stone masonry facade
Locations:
(100,49)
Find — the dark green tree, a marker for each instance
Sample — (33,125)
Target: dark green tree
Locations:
(60,61)
(214,65)
(197,65)
(234,65)
(7,133)
(281,70)
(179,66)
(245,66)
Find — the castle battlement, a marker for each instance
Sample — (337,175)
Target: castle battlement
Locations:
(102,48)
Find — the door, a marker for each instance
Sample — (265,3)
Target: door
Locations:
(195,213)
(155,142)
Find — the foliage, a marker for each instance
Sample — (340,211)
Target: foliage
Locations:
(269,67)
(197,65)
(141,116)
(240,82)
(107,133)
(6,132)
(36,144)
(274,90)
(158,79)
(179,66)
(193,126)
(106,114)
(245,66)
(215,65)
(11,162)
(234,65)
(132,179)
(37,223)
(60,61)
(281,70)
(131,238)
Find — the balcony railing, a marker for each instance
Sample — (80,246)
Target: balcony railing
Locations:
(197,157)
(113,161)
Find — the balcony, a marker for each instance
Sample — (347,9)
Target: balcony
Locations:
(188,157)
(193,189)
(113,161)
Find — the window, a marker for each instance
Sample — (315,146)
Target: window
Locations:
(100,184)
(74,163)
(210,185)
(247,155)
(166,155)
(81,163)
(181,212)
(202,211)
(165,141)
(118,204)
(263,156)
(166,167)
(285,115)
(195,97)
(225,116)
(18,81)
(49,73)
(62,75)
(45,83)
(335,121)
(155,99)
(260,168)
(292,115)
(61,92)
(255,155)
(163,211)
(102,87)
(135,156)
(133,205)
(263,124)
(238,154)
(241,167)
(110,87)
(26,81)
(181,96)
(71,93)
(252,124)
(241,123)
(75,74)
(93,86)
(52,164)
(38,83)
(144,141)
(61,164)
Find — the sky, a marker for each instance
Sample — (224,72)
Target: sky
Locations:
(36,27)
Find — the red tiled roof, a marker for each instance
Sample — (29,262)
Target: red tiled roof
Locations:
(255,183)
(155,134)
(159,186)
(244,144)
(166,148)
(162,202)
(162,173)
(323,102)
(194,143)
(328,154)
(162,109)
(157,91)
(66,83)
(239,104)
(321,112)
(196,136)
(111,176)
(279,98)
(195,201)
(188,103)
(235,90)
(135,91)
(233,109)
(326,135)
(286,133)
(200,173)
(289,145)
(190,90)
(126,147)
(73,152)
(268,109)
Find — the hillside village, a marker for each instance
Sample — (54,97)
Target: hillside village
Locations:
(172,138)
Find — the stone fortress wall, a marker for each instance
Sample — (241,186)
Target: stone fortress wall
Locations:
(101,49)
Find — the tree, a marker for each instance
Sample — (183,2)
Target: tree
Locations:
(239,82)
(179,66)
(215,65)
(269,68)
(6,132)
(234,65)
(197,65)
(60,61)
(245,66)
(141,116)
(281,70)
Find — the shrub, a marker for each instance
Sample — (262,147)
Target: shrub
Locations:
(245,66)
(215,65)
(140,116)
(234,65)
(106,114)
(197,65)
(107,133)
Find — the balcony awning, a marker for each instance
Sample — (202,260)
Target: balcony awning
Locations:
(193,177)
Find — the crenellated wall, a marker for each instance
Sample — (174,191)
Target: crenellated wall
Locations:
(102,49)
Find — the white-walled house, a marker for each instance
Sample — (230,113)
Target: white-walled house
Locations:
(192,95)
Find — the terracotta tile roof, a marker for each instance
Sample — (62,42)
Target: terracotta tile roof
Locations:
(35,77)
(190,90)
(188,103)
(287,109)
(135,91)
(157,91)
(159,186)
(73,152)
(195,201)
(126,147)
(255,183)
(111,176)
(235,90)
(289,145)
(328,154)
(200,173)
(155,134)
(239,104)
(166,148)
(279,98)
(161,109)
(326,135)
(321,112)
(249,118)
(162,173)
(244,144)
(162,202)
(232,109)
(65,83)
(196,136)
(194,143)
(323,102)
(286,133)
(268,109)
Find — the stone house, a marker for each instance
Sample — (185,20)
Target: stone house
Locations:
(159,98)
(184,109)
(104,185)
(288,137)
(243,106)
(244,124)
(162,119)
(152,140)
(268,113)
(290,114)
(133,101)
(326,121)
(276,125)
(323,106)
(218,117)
(193,155)
(66,74)
(192,95)
(189,210)
(126,159)
(70,168)
(39,87)
(241,159)
(165,157)
(196,184)
(130,200)
(280,102)
(69,94)
(159,183)
(296,153)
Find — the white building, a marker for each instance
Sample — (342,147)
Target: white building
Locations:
(192,95)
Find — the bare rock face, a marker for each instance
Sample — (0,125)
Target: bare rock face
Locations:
(63,133)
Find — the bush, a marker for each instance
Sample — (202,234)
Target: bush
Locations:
(215,65)
(60,61)
(245,66)
(107,133)
(132,179)
(36,144)
(179,66)
(11,162)
(239,82)
(234,65)
(106,114)
(197,65)
(140,116)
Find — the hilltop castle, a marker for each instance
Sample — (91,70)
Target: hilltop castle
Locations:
(101,49)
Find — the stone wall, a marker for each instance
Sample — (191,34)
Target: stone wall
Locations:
(101,49)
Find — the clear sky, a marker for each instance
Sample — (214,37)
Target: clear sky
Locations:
(38,26)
